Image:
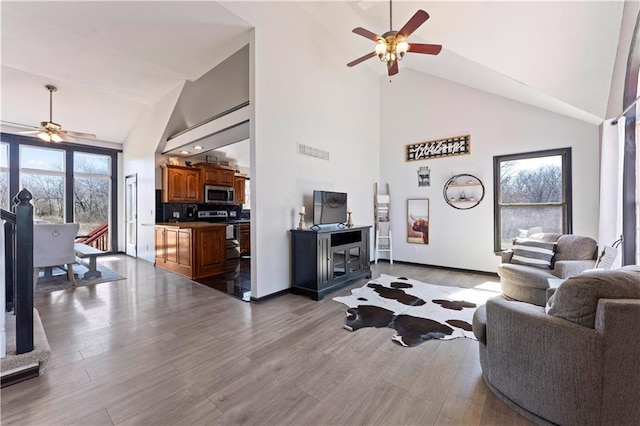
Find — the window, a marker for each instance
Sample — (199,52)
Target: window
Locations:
(532,193)
(68,182)
(247,195)
(42,173)
(4,176)
(92,190)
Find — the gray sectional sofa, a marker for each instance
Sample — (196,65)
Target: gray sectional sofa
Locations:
(579,364)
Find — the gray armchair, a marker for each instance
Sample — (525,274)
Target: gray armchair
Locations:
(577,365)
(573,254)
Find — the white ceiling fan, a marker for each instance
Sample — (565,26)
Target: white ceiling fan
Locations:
(52,132)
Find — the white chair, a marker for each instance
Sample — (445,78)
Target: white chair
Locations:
(53,245)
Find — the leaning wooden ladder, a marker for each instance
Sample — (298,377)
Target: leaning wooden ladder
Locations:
(384,242)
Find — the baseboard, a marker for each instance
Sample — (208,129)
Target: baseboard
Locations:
(19,375)
(446,268)
(270,296)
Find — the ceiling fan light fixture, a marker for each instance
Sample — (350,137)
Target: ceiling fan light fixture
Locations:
(381,50)
(401,48)
(392,45)
(45,136)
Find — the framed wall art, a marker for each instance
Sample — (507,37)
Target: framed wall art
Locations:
(424,176)
(455,145)
(418,221)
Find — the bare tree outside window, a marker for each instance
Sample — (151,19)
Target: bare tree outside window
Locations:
(48,196)
(532,194)
(42,173)
(92,184)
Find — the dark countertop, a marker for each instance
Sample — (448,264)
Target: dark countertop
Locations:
(202,224)
(183,225)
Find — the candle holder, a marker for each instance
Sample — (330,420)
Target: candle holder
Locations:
(301,224)
(349,221)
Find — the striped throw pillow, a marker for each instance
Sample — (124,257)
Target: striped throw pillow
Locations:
(533,253)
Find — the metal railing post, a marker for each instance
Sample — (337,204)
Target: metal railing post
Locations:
(23,306)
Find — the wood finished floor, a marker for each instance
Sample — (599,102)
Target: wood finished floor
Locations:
(159,349)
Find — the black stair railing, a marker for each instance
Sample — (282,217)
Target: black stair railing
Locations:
(19,267)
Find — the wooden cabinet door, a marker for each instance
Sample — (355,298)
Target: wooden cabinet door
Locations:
(240,182)
(175,185)
(211,251)
(210,176)
(193,191)
(171,245)
(184,248)
(226,177)
(160,246)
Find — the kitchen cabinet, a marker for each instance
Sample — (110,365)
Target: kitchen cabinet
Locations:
(327,259)
(210,251)
(239,183)
(212,174)
(181,184)
(245,239)
(173,250)
(195,250)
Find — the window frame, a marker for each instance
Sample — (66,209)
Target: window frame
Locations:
(15,141)
(5,170)
(567,190)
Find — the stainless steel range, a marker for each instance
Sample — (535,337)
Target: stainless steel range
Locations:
(232,231)
(213,215)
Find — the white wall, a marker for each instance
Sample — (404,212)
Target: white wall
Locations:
(315,100)
(218,90)
(139,152)
(417,108)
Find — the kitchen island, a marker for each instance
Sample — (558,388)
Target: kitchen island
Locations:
(193,249)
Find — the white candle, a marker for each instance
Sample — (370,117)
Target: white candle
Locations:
(349,210)
(303,210)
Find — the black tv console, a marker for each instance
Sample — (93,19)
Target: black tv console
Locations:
(328,258)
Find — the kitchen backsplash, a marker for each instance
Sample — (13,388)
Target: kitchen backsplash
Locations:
(167,212)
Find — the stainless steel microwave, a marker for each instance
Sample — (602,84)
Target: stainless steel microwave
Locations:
(219,194)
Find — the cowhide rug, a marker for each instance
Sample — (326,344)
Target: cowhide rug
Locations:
(415,310)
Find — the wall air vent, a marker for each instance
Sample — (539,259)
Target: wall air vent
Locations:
(310,151)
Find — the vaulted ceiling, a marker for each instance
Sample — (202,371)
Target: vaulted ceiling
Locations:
(112,59)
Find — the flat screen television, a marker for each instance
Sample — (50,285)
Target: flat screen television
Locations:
(329,207)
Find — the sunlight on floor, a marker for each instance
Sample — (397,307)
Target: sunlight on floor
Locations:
(488,290)
(490,286)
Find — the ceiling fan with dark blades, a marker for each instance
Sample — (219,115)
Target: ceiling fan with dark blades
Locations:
(52,132)
(392,45)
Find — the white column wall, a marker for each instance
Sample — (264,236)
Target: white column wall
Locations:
(312,98)
(433,108)
(139,156)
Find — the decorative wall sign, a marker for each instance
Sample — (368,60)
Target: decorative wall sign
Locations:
(456,145)
(424,176)
(418,221)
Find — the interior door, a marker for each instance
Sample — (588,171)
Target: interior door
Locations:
(131,215)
